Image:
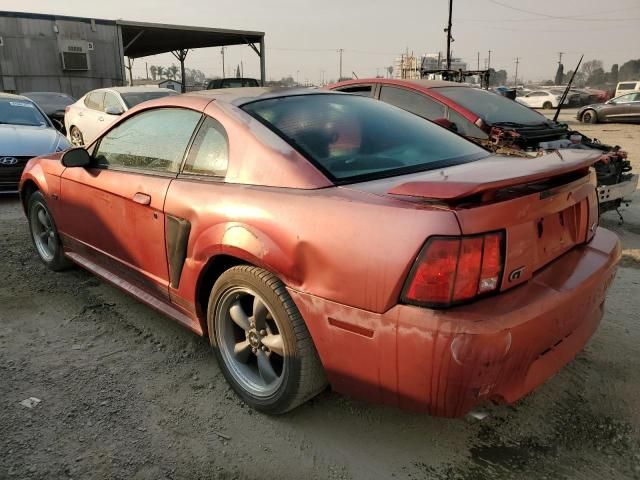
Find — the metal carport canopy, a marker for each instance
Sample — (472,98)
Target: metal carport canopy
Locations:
(140,39)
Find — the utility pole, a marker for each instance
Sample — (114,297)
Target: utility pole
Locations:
(478,61)
(449,38)
(515,80)
(146,66)
(241,69)
(130,68)
(560,55)
(297,78)
(340,50)
(322,77)
(489,61)
(222,49)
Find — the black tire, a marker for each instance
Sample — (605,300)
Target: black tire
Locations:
(304,376)
(547,105)
(56,260)
(75,136)
(589,116)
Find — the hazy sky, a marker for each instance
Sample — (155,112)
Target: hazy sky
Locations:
(302,36)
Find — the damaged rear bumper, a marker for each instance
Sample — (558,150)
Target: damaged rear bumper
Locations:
(445,362)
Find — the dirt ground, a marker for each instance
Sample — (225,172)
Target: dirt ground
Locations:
(127,394)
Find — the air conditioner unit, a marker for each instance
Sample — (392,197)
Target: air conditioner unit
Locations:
(74,54)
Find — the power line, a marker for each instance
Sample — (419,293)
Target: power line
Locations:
(560,17)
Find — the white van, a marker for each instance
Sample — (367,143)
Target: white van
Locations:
(627,87)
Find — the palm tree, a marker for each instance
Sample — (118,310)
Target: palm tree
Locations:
(174,71)
(154,71)
(160,71)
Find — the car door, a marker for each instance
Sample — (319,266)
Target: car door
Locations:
(88,124)
(634,109)
(112,212)
(618,109)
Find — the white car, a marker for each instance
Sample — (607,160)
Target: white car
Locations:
(542,99)
(95,111)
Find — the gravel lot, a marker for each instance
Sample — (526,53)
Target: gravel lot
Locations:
(126,393)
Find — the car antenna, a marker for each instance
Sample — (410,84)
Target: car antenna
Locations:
(566,91)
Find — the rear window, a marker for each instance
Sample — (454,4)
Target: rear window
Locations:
(627,86)
(352,138)
(134,98)
(490,107)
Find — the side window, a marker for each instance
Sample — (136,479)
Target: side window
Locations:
(412,102)
(209,154)
(94,100)
(362,90)
(154,140)
(110,100)
(465,127)
(626,98)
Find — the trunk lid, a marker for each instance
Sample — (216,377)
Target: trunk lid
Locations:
(545,205)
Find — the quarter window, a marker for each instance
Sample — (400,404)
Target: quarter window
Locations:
(154,140)
(412,102)
(209,154)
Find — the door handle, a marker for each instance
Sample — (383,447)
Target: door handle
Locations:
(80,114)
(142,198)
(101,119)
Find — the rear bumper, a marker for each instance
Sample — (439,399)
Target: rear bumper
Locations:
(446,362)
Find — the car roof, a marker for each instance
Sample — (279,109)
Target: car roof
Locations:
(133,89)
(422,83)
(14,97)
(243,95)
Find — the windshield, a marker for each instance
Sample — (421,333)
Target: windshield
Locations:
(352,137)
(131,99)
(20,112)
(490,107)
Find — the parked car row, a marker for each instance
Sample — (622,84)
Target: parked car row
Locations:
(322,237)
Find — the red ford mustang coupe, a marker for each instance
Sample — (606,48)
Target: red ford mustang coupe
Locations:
(318,237)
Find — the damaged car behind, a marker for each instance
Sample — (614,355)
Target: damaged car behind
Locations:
(317,237)
(500,125)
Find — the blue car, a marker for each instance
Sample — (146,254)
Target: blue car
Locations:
(25,132)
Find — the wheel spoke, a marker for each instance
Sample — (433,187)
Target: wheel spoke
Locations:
(267,372)
(44,219)
(43,235)
(274,343)
(242,351)
(260,312)
(239,317)
(51,244)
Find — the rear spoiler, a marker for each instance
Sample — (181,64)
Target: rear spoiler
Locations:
(495,173)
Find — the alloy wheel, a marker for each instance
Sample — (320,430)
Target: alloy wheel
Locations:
(44,235)
(250,341)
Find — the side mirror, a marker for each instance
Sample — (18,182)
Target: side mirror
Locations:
(76,157)
(113,111)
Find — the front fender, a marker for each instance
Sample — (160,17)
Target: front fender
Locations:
(44,173)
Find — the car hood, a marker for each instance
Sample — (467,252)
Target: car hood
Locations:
(28,141)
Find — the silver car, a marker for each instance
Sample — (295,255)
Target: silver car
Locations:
(25,132)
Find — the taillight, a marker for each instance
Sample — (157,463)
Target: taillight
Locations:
(451,270)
